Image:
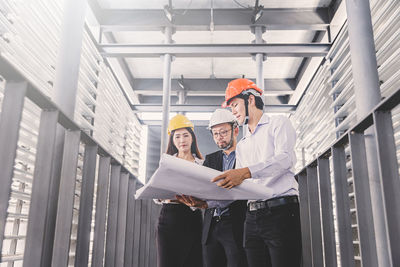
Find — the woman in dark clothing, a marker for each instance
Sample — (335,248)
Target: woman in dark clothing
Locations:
(179,226)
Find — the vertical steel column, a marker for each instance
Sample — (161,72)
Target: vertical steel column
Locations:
(327,212)
(130,223)
(69,56)
(363,56)
(155,212)
(389,175)
(16,224)
(65,87)
(112,216)
(34,246)
(138,234)
(143,234)
(258,31)
(148,232)
(305,220)
(66,199)
(11,114)
(166,91)
(86,206)
(315,219)
(121,227)
(101,211)
(343,207)
(363,200)
(367,95)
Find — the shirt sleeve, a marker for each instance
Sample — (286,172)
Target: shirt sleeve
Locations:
(284,157)
(238,164)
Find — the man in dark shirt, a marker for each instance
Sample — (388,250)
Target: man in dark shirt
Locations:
(222,236)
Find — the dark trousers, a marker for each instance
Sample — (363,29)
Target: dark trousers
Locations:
(221,248)
(273,237)
(179,237)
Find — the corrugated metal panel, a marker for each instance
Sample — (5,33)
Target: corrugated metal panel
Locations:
(29,38)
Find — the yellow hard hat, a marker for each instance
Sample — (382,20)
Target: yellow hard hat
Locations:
(179,121)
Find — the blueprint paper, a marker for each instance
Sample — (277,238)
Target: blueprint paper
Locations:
(177,176)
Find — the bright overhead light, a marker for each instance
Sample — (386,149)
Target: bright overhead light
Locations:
(257,15)
(257,12)
(180,83)
(169,13)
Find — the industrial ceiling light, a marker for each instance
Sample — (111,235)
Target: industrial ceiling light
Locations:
(180,82)
(169,12)
(257,12)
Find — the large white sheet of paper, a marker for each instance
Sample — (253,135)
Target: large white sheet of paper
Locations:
(176,176)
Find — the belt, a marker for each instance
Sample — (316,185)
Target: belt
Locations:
(271,203)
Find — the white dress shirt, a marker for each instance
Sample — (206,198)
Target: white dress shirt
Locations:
(269,154)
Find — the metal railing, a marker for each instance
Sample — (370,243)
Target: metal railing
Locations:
(106,208)
(316,195)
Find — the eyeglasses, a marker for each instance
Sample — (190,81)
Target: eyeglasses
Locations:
(222,133)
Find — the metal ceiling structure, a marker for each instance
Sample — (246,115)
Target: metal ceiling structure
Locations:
(279,44)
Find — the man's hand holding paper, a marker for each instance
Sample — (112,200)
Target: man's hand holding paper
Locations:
(181,177)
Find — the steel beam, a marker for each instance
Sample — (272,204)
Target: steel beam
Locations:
(121,224)
(389,176)
(143,233)
(206,100)
(367,96)
(166,97)
(138,232)
(66,199)
(112,216)
(10,118)
(155,213)
(65,88)
(224,19)
(328,227)
(363,200)
(40,189)
(130,223)
(86,206)
(305,220)
(214,50)
(208,87)
(158,123)
(205,108)
(346,248)
(315,216)
(101,211)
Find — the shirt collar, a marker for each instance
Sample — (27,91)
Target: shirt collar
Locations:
(263,120)
(232,154)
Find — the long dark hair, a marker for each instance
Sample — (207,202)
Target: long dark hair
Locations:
(171,149)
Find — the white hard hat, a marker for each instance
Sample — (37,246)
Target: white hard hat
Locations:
(221,116)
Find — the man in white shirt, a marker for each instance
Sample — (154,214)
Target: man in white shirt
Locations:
(266,156)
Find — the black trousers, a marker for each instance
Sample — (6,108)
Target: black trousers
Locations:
(273,237)
(221,248)
(179,237)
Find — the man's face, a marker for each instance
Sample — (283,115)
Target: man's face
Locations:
(238,109)
(222,134)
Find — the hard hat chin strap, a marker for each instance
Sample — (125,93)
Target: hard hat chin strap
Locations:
(246,106)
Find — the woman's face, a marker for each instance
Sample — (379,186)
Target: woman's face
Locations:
(182,140)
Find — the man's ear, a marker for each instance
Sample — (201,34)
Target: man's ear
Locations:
(236,131)
(252,100)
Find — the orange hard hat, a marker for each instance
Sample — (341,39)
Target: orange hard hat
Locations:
(237,87)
